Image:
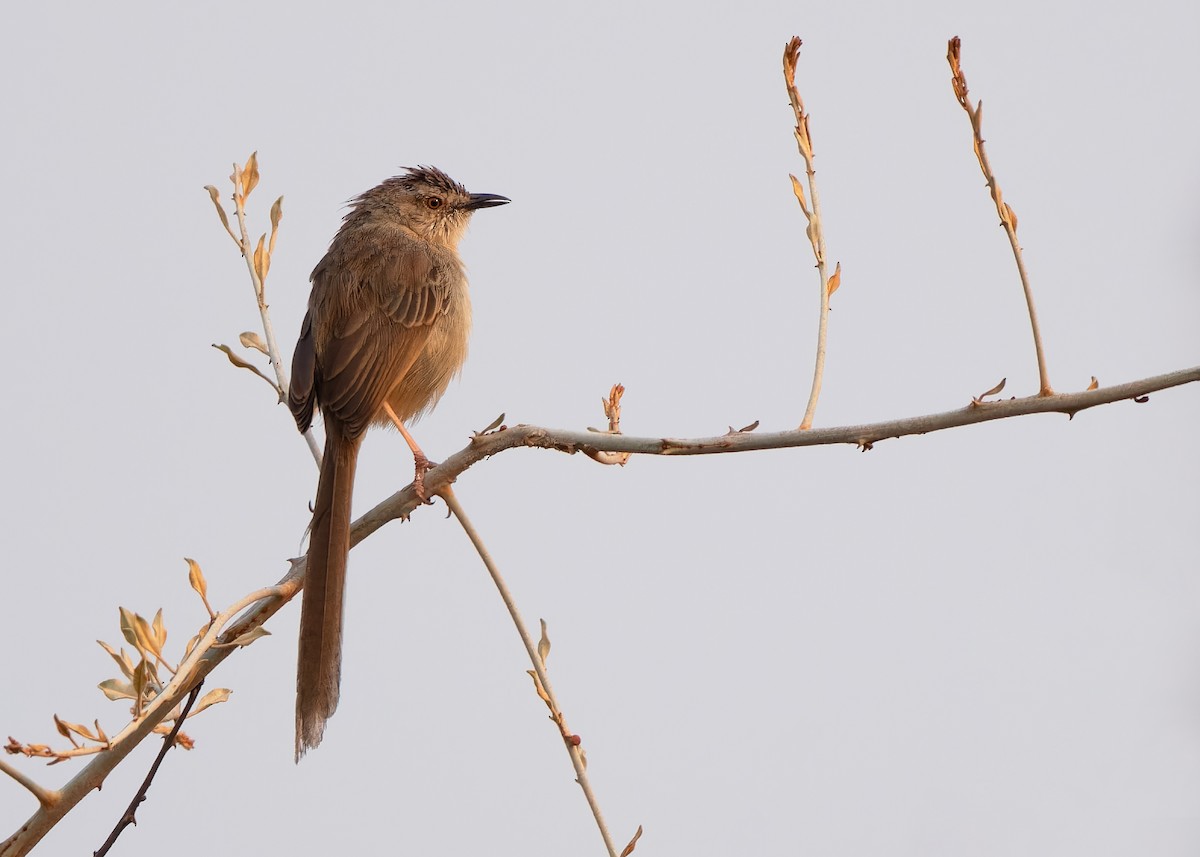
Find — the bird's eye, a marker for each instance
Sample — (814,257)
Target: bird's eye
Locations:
(434,202)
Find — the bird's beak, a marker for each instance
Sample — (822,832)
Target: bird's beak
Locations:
(486,200)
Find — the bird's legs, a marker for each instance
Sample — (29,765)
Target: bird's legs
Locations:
(420,461)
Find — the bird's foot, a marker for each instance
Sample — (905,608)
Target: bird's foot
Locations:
(421,466)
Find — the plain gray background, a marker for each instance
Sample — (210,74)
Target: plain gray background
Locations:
(979,642)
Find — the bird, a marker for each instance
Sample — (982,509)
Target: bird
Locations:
(388,322)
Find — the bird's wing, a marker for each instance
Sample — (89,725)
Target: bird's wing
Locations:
(304,368)
(381,310)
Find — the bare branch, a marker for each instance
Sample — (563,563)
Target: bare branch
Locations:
(542,677)
(1008,218)
(815,229)
(130,815)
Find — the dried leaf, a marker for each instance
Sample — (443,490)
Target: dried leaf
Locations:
(216,198)
(496,423)
(129,629)
(632,843)
(276,216)
(250,636)
(834,281)
(1095,385)
(994,390)
(195,575)
(250,175)
(123,661)
(116,689)
(148,633)
(139,684)
(242,364)
(543,644)
(1010,216)
(65,729)
(798,189)
(213,697)
(262,261)
(191,644)
(537,684)
(250,339)
(160,632)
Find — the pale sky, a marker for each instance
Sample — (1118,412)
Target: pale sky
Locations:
(983,641)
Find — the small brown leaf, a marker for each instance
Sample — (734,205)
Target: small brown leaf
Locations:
(65,729)
(242,364)
(537,684)
(544,643)
(249,637)
(123,661)
(216,198)
(139,685)
(262,261)
(250,339)
(148,633)
(834,281)
(128,628)
(160,632)
(250,175)
(276,216)
(1010,216)
(191,644)
(213,697)
(798,189)
(196,575)
(496,423)
(116,689)
(632,843)
(994,390)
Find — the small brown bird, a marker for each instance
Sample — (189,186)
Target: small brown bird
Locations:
(387,326)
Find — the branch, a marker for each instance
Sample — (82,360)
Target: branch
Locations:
(545,690)
(1008,218)
(864,436)
(130,815)
(45,797)
(219,641)
(816,226)
(205,656)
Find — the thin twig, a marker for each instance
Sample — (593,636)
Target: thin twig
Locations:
(46,797)
(1008,218)
(246,246)
(815,229)
(447,494)
(130,815)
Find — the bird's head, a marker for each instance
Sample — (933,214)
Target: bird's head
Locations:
(427,202)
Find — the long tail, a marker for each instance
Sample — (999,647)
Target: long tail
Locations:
(320,663)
